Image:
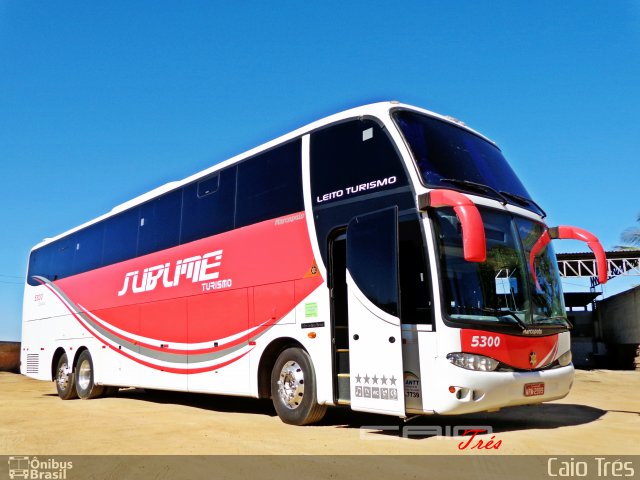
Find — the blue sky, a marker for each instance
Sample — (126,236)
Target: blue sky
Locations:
(102,101)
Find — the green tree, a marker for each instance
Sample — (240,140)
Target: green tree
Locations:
(630,238)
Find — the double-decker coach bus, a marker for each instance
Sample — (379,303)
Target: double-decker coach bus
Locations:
(386,258)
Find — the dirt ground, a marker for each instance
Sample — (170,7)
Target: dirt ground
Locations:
(601,416)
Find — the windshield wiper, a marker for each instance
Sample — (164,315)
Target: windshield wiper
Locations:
(502,194)
(523,200)
(503,314)
(511,314)
(476,186)
(545,321)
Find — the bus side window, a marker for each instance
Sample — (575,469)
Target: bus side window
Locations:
(87,246)
(62,257)
(207,211)
(120,237)
(415,285)
(39,265)
(270,185)
(159,225)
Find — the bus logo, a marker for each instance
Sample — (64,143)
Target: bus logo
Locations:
(18,467)
(26,467)
(198,269)
(533,358)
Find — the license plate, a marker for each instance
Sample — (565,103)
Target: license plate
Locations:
(533,389)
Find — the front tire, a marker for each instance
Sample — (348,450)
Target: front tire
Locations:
(293,388)
(65,379)
(85,386)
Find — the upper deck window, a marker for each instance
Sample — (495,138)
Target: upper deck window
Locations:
(447,155)
(352,159)
(270,185)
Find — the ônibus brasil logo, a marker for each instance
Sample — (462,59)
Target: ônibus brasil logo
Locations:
(199,269)
(32,468)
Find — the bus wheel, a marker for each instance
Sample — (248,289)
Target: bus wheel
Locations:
(293,388)
(85,386)
(65,379)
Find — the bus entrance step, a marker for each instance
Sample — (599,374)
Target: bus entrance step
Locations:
(343,388)
(342,360)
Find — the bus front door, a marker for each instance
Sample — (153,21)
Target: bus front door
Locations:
(375,340)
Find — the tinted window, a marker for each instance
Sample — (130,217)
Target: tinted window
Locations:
(62,252)
(205,215)
(88,248)
(159,225)
(39,265)
(415,285)
(270,185)
(353,158)
(372,258)
(446,154)
(120,237)
(208,185)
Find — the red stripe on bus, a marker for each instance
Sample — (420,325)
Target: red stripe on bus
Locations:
(140,361)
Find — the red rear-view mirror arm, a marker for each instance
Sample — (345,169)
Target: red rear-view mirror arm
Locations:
(572,233)
(473,240)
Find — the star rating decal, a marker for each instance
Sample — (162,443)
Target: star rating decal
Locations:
(375,378)
(376,393)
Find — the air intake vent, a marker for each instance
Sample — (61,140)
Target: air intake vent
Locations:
(33,363)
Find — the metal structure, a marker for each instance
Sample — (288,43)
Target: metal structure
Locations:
(620,263)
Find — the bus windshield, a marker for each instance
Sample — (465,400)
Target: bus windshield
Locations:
(502,289)
(449,156)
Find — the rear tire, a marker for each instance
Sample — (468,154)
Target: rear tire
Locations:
(293,388)
(65,379)
(85,386)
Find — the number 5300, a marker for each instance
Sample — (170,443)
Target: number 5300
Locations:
(485,341)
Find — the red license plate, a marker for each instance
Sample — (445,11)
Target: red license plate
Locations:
(533,389)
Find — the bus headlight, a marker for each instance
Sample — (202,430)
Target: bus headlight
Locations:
(565,359)
(471,361)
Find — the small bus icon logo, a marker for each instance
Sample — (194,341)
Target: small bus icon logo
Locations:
(18,467)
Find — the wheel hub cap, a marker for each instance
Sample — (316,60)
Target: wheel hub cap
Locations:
(291,384)
(63,376)
(84,375)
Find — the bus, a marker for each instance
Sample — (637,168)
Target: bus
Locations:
(386,258)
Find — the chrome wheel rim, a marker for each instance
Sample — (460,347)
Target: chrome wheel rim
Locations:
(84,374)
(291,385)
(64,373)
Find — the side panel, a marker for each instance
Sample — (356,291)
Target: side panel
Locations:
(197,309)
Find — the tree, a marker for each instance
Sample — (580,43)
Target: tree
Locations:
(630,238)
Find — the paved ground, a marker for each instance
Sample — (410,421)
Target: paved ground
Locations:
(601,416)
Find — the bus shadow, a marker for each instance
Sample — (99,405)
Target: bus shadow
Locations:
(214,403)
(543,416)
